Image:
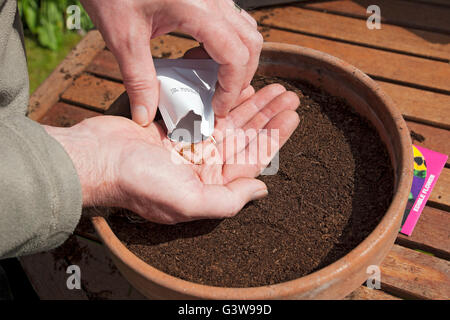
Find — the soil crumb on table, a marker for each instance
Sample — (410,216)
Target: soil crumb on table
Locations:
(416,136)
(334,184)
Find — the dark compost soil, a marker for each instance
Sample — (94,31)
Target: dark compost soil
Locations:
(334,185)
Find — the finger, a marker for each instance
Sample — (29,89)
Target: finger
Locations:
(247,110)
(224,45)
(244,13)
(249,19)
(139,76)
(261,150)
(200,53)
(230,81)
(246,94)
(221,201)
(237,140)
(228,50)
(249,35)
(288,100)
(222,124)
(250,108)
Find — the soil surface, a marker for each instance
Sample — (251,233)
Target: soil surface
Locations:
(334,185)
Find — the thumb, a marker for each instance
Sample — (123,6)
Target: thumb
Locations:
(139,77)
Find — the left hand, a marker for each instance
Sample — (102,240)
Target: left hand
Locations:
(124,165)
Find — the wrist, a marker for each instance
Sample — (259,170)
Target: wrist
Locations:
(97,179)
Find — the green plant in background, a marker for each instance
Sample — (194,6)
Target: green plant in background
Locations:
(46,20)
(42,61)
(47,40)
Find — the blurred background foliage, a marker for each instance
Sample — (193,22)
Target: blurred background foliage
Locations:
(46,20)
(47,39)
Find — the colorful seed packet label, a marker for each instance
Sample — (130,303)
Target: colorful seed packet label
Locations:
(428,165)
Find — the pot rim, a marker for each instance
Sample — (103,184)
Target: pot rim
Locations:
(320,279)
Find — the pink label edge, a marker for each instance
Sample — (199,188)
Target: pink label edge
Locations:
(435,163)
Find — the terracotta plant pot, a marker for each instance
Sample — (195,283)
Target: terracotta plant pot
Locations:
(342,277)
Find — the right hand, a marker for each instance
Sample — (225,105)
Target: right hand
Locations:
(229,36)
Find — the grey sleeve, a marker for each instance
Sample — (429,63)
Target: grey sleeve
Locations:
(40,193)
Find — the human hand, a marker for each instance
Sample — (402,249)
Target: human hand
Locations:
(121,164)
(229,36)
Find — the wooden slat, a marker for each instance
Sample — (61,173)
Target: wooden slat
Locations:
(445,3)
(403,13)
(66,115)
(93,93)
(377,63)
(105,65)
(423,43)
(169,46)
(410,274)
(420,105)
(431,233)
(435,139)
(47,94)
(364,293)
(441,191)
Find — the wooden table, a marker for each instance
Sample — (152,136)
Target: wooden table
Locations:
(409,58)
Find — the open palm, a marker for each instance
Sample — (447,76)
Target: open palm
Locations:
(168,182)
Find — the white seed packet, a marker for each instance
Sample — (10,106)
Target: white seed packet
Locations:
(185,95)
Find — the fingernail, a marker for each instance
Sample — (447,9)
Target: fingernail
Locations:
(140,115)
(260,194)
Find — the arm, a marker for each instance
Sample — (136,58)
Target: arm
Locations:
(40,194)
(119,163)
(48,173)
